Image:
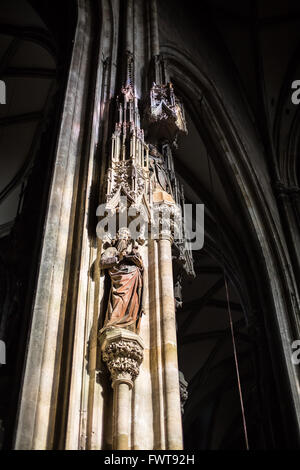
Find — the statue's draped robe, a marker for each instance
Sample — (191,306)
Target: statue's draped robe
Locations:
(158,169)
(125,299)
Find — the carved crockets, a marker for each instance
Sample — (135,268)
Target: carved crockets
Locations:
(128,170)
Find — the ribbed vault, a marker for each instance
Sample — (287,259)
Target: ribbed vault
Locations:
(28,67)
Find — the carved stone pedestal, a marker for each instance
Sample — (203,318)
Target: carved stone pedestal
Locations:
(122,351)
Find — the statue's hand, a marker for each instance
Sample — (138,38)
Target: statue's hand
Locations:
(122,255)
(137,260)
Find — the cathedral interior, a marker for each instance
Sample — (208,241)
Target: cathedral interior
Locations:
(231,64)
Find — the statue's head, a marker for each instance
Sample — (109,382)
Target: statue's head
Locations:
(124,234)
(123,239)
(152,150)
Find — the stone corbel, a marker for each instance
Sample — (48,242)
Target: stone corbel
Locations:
(122,351)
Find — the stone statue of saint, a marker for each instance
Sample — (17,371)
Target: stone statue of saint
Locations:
(158,169)
(125,268)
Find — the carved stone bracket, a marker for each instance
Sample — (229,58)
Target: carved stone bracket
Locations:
(122,351)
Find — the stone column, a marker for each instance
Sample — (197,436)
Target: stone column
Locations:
(37,408)
(122,350)
(169,344)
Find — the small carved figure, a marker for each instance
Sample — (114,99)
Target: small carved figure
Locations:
(125,268)
(158,169)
